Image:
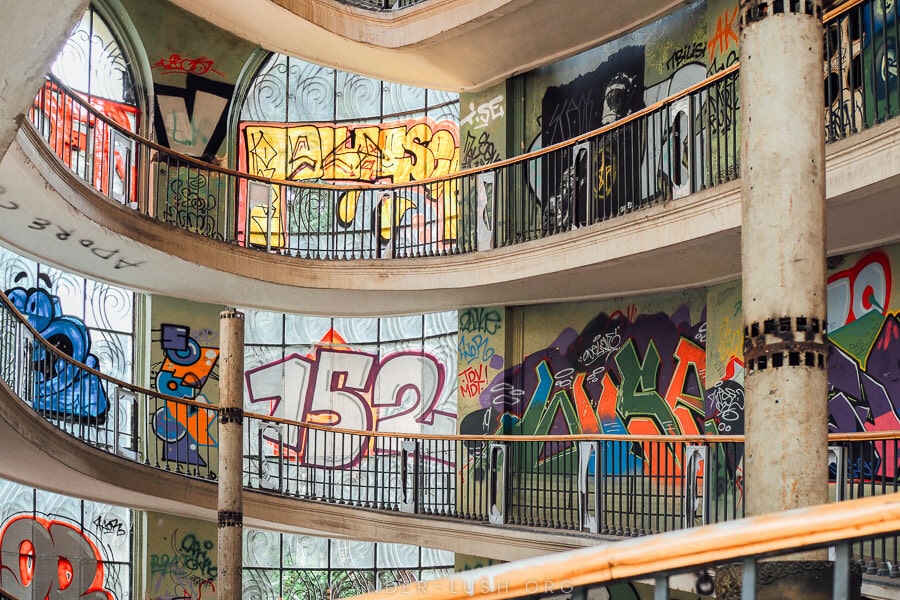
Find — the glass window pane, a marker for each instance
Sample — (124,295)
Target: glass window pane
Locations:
(306,330)
(68,288)
(266,98)
(351,554)
(311,93)
(59,506)
(110,76)
(15,499)
(400,99)
(72,63)
(357,97)
(16,271)
(108,307)
(261,584)
(437,558)
(305,551)
(440,323)
(401,328)
(111,525)
(262,548)
(395,556)
(263,327)
(356,330)
(114,354)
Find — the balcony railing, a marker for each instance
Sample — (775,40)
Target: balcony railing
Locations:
(680,145)
(616,486)
(686,559)
(382,5)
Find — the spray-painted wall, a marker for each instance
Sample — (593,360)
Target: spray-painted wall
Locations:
(182,561)
(672,364)
(184,354)
(195,66)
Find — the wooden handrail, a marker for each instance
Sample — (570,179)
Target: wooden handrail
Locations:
(686,549)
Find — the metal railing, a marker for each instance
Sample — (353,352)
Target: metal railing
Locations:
(622,486)
(382,5)
(694,557)
(675,147)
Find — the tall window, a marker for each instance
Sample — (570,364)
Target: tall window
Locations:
(304,122)
(296,567)
(90,545)
(93,66)
(105,311)
(92,62)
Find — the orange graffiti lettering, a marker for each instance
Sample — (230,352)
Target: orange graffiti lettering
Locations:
(724,34)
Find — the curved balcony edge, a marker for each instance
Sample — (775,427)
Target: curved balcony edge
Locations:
(52,215)
(36,453)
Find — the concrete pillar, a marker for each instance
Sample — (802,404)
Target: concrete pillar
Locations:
(231,431)
(783,258)
(32,34)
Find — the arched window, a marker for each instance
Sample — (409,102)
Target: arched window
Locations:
(309,123)
(94,67)
(93,62)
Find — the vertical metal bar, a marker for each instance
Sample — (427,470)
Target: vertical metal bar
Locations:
(748,579)
(661,587)
(842,571)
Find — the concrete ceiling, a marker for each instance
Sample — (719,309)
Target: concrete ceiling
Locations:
(457,45)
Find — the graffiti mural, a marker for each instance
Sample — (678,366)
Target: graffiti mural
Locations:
(879,59)
(186,367)
(863,356)
(181,558)
(624,372)
(192,119)
(186,570)
(400,391)
(396,151)
(61,389)
(50,558)
(722,46)
(843,78)
(192,199)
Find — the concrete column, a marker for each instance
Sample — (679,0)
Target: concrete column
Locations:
(231,431)
(32,34)
(783,258)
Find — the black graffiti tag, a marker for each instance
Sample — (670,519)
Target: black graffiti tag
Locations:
(7,204)
(62,234)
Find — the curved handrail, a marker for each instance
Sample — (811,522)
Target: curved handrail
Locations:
(657,557)
(828,16)
(429,216)
(22,320)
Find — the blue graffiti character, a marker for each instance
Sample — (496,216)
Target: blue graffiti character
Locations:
(61,388)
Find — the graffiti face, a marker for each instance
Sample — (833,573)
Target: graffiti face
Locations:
(41,558)
(61,389)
